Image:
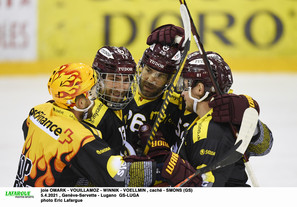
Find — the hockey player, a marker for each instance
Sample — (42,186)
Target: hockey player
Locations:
(206,140)
(227,108)
(116,69)
(155,70)
(59,149)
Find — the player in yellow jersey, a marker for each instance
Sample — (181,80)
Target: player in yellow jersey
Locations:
(59,149)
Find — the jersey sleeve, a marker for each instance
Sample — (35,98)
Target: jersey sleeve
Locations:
(262,142)
(25,129)
(103,167)
(92,162)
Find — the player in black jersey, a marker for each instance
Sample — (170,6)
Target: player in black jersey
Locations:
(227,108)
(206,140)
(116,70)
(155,70)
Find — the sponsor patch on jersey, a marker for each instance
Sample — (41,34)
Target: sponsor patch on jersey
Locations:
(45,124)
(207,152)
(103,150)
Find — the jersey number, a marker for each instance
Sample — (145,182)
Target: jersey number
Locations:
(137,121)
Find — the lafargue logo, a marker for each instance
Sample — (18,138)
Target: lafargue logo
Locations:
(19,194)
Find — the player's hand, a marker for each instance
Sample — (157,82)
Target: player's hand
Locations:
(158,147)
(175,170)
(167,34)
(230,107)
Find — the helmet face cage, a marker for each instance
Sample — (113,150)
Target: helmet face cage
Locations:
(116,90)
(196,71)
(115,67)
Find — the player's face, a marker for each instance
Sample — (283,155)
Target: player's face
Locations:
(116,86)
(152,81)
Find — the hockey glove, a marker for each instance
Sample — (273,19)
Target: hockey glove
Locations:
(159,146)
(175,170)
(230,107)
(167,34)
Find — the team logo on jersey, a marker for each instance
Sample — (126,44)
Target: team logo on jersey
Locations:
(39,119)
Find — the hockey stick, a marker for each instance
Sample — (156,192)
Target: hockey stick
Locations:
(215,84)
(186,45)
(201,49)
(247,128)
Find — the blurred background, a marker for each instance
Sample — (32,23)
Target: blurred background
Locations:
(35,36)
(257,38)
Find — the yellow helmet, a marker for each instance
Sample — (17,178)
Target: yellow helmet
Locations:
(69,81)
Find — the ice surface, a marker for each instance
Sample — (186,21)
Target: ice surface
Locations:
(276,94)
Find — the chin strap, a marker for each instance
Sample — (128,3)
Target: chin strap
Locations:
(196,100)
(85,110)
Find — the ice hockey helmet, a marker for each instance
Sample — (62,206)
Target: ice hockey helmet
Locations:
(111,59)
(116,62)
(195,70)
(162,58)
(69,81)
